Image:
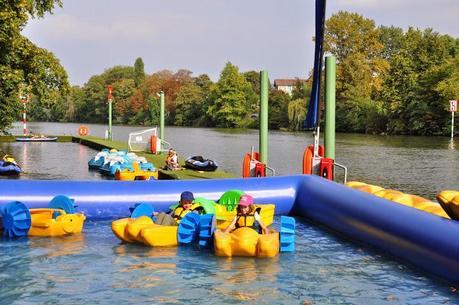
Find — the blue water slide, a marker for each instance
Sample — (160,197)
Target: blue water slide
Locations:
(423,239)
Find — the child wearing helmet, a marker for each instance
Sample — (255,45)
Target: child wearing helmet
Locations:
(246,216)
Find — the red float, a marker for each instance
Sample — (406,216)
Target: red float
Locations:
(307,158)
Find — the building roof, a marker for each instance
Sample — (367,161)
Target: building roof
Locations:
(288,82)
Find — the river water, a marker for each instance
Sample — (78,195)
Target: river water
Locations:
(418,165)
(94,268)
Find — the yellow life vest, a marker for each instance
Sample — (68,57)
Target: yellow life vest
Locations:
(179,212)
(245,220)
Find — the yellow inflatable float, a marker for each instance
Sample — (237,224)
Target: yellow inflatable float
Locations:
(137,174)
(54,222)
(246,241)
(413,201)
(449,200)
(141,228)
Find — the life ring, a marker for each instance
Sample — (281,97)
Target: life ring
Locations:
(246,164)
(83,130)
(154,142)
(307,158)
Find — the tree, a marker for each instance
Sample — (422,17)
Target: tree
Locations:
(139,72)
(296,114)
(94,108)
(229,107)
(24,67)
(278,109)
(360,65)
(413,87)
(188,105)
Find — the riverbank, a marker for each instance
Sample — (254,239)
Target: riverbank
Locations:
(157,159)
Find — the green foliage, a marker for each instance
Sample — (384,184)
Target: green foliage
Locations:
(361,66)
(420,81)
(301,90)
(188,105)
(278,109)
(24,67)
(388,81)
(296,114)
(139,72)
(94,109)
(231,104)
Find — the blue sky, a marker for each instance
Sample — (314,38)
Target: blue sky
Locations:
(89,36)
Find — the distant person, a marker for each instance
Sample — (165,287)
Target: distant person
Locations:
(172,160)
(173,217)
(246,216)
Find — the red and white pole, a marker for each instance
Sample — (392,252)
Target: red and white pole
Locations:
(24,115)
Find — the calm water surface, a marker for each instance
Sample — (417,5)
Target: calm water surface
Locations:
(94,268)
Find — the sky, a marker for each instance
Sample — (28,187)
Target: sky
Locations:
(89,36)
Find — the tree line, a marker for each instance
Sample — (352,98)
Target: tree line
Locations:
(388,81)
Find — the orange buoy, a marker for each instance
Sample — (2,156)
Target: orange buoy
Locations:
(307,158)
(154,144)
(247,162)
(83,130)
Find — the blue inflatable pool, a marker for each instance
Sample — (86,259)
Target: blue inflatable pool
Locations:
(423,239)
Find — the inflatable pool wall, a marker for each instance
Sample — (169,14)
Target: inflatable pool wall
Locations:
(423,239)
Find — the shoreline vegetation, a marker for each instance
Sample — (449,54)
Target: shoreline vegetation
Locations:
(389,82)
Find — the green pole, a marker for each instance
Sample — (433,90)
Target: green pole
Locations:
(330,106)
(110,119)
(263,117)
(110,98)
(161,115)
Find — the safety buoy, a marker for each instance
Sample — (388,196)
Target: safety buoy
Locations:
(83,130)
(247,162)
(307,158)
(154,146)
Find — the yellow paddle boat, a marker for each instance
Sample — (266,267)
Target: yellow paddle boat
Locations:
(54,222)
(246,242)
(137,174)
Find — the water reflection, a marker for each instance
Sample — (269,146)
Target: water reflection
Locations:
(138,250)
(247,278)
(451,144)
(59,245)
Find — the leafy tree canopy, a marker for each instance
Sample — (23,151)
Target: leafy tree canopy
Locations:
(26,69)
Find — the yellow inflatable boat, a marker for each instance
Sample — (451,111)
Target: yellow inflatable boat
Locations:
(54,222)
(246,242)
(119,229)
(137,174)
(131,229)
(413,201)
(449,200)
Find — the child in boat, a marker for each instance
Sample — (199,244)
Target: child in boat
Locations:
(173,217)
(172,160)
(246,216)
